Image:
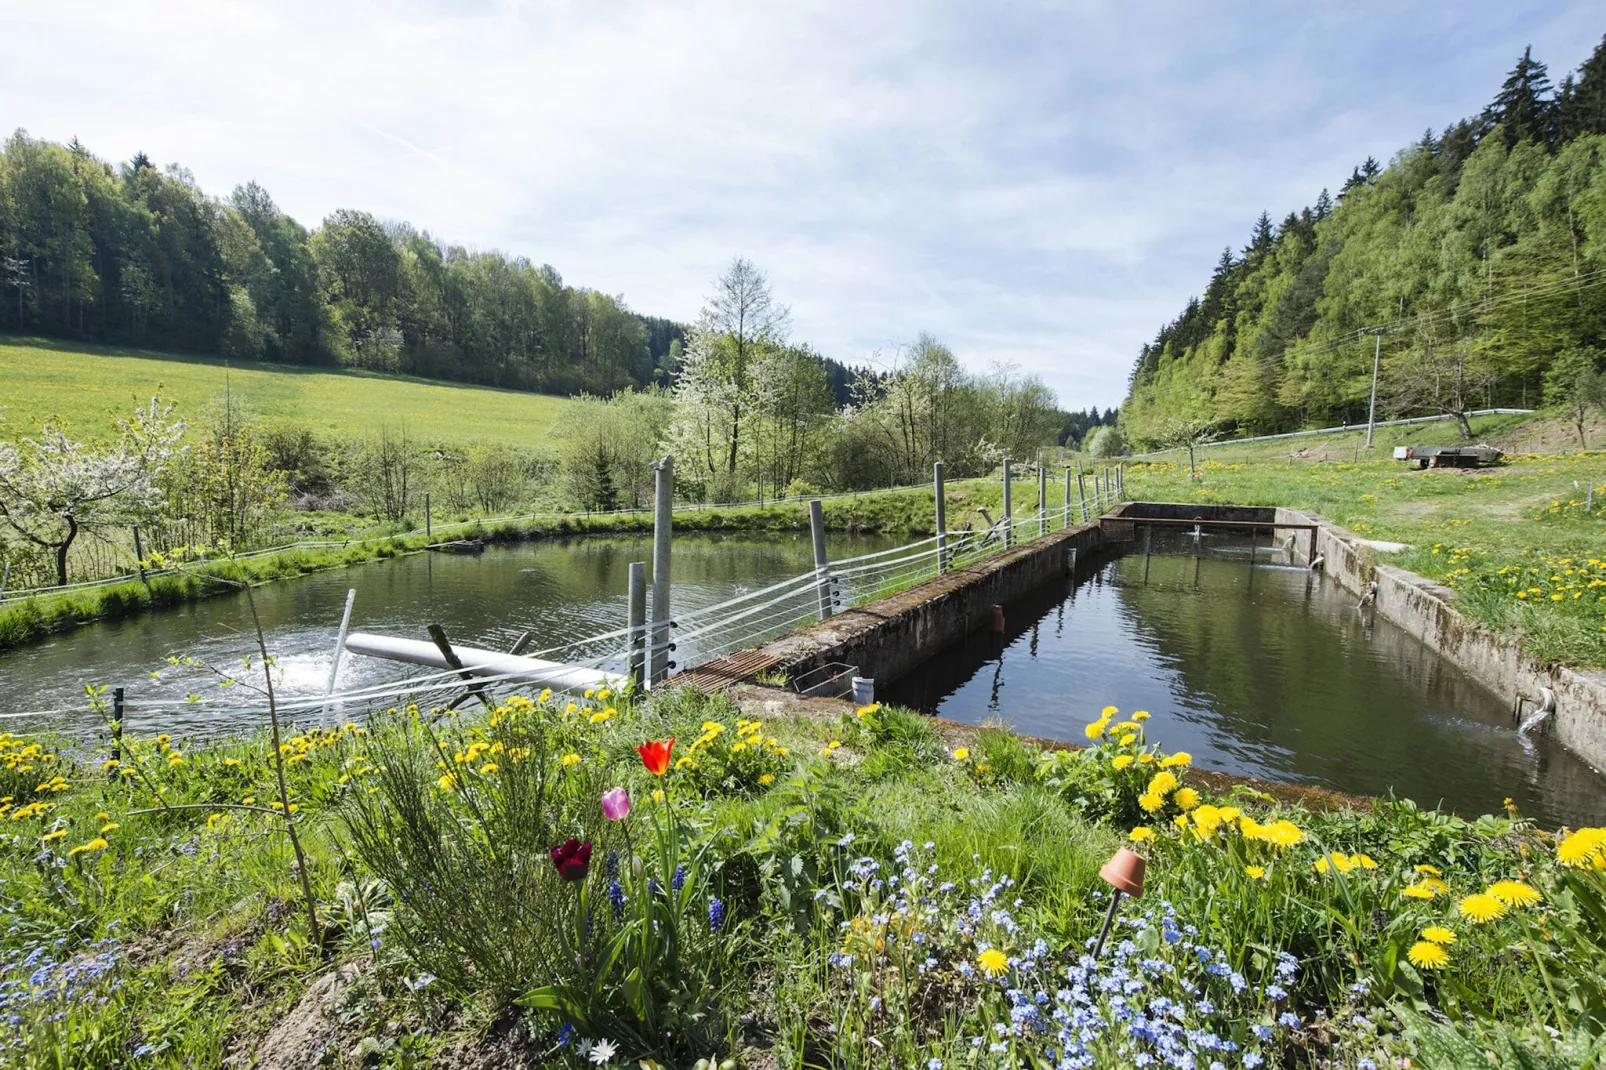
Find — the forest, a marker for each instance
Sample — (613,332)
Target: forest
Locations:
(139,255)
(1472,268)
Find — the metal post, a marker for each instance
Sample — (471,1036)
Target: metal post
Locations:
(5,578)
(636,621)
(1589,499)
(139,556)
(117,724)
(662,532)
(1148,539)
(428,527)
(1371,412)
(340,645)
(1081,490)
(822,575)
(1067,497)
(1009,533)
(942,519)
(1042,500)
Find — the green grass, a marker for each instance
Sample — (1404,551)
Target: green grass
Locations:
(1508,539)
(162,923)
(82,387)
(1351,445)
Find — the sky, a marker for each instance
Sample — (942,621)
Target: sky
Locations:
(1037,185)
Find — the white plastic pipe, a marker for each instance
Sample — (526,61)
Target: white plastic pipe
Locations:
(479,662)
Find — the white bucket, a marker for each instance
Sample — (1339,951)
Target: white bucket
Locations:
(863,690)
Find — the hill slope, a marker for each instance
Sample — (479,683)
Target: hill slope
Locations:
(82,386)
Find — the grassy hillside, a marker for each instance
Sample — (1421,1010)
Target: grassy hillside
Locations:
(79,386)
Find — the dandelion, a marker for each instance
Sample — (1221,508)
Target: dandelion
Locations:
(1141,833)
(1150,802)
(1481,907)
(1121,761)
(1428,955)
(961,754)
(1514,893)
(1162,783)
(568,760)
(1582,848)
(1438,934)
(1141,715)
(447,782)
(1128,739)
(992,961)
(51,837)
(1255,872)
(1096,729)
(1186,798)
(110,826)
(1180,758)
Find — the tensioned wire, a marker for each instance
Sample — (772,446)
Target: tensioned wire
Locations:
(971,546)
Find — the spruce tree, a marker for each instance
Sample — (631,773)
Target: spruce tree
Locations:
(1324,205)
(1585,109)
(1522,108)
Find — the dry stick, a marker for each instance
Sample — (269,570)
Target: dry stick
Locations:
(206,806)
(278,769)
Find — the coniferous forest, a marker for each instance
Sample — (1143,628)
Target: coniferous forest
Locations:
(1473,265)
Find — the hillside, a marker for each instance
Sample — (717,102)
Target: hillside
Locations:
(1477,256)
(80,386)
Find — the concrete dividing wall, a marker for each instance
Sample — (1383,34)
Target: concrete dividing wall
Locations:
(1426,610)
(889,637)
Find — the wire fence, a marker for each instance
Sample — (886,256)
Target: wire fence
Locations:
(740,622)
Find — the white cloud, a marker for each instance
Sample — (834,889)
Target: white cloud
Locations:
(1040,183)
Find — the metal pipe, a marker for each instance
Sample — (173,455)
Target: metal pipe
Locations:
(662,532)
(1042,500)
(428,527)
(821,574)
(636,621)
(1081,491)
(1009,532)
(117,723)
(942,519)
(340,645)
(483,662)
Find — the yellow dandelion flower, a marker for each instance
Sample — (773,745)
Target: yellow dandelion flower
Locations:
(103,816)
(1429,870)
(230,763)
(1514,893)
(992,961)
(1145,759)
(658,795)
(961,754)
(1108,712)
(51,837)
(1186,798)
(767,778)
(1121,761)
(1181,757)
(1096,729)
(1150,802)
(1256,872)
(488,768)
(1162,783)
(569,759)
(1141,833)
(447,782)
(602,715)
(110,826)
(1141,715)
(1438,934)
(1481,907)
(1428,956)
(1579,848)
(1128,739)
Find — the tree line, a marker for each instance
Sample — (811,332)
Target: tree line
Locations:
(1473,266)
(139,255)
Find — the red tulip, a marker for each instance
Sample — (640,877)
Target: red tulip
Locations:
(572,858)
(655,755)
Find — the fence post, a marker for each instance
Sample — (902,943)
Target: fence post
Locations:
(1589,499)
(822,575)
(1081,489)
(340,647)
(5,578)
(636,621)
(117,724)
(1067,497)
(1042,500)
(662,532)
(1009,524)
(139,556)
(942,519)
(429,528)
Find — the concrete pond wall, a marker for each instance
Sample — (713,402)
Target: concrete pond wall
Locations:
(889,637)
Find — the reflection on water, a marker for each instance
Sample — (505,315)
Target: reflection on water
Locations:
(1259,672)
(560,591)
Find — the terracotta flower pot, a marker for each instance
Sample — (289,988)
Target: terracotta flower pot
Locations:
(1124,872)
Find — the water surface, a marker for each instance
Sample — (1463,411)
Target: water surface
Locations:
(1257,672)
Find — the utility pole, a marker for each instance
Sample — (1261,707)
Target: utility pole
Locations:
(1377,334)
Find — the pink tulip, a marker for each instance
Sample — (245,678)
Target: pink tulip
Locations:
(615,804)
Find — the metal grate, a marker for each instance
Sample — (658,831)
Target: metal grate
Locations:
(722,672)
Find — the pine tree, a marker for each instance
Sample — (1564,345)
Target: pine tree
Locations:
(1585,110)
(1522,108)
(1261,237)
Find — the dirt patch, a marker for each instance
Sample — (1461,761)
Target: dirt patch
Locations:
(305,1037)
(505,1046)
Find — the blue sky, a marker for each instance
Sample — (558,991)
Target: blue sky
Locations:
(1035,184)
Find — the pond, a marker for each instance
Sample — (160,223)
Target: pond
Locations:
(559,590)
(1260,671)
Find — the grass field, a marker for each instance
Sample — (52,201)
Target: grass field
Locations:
(82,387)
